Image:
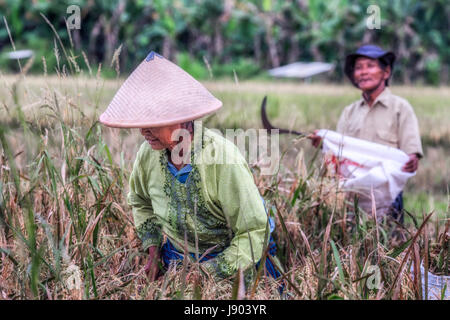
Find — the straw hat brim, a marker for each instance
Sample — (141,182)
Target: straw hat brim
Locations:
(147,124)
(158,93)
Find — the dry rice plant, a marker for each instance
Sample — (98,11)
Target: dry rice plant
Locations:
(66,231)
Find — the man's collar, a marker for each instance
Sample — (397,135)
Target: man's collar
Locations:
(383,98)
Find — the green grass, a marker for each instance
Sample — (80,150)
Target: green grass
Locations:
(421,203)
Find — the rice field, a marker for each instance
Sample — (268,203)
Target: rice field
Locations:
(66,231)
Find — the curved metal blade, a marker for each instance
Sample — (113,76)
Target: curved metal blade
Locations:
(268,126)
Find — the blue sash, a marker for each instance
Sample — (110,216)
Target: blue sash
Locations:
(169,254)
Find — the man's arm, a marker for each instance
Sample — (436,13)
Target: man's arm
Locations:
(315,139)
(408,131)
(413,163)
(409,137)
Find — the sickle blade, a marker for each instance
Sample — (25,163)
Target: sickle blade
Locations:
(267,125)
(265,121)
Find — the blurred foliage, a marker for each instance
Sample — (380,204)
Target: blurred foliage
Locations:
(228,37)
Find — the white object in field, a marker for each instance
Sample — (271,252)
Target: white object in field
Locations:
(301,69)
(20,54)
(436,285)
(366,166)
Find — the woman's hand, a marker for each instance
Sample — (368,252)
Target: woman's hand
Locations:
(315,139)
(152,266)
(412,164)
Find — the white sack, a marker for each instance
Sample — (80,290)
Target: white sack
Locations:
(365,165)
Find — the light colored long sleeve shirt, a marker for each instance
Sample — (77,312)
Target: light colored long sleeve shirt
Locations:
(218,206)
(390,121)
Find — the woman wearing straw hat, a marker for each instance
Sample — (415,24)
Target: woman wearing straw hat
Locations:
(181,201)
(379,116)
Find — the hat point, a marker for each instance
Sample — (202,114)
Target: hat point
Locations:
(152,55)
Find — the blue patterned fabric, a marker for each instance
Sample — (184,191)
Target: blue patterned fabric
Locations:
(181,174)
(169,253)
(270,268)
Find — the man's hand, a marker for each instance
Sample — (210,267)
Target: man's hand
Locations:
(315,139)
(152,266)
(412,164)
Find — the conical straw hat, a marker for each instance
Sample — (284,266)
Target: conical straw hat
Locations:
(156,94)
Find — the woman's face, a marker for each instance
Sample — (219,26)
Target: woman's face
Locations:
(160,138)
(368,74)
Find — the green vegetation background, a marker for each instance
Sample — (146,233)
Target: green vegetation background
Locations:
(233,36)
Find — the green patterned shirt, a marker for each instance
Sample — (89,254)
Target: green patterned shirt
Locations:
(218,207)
